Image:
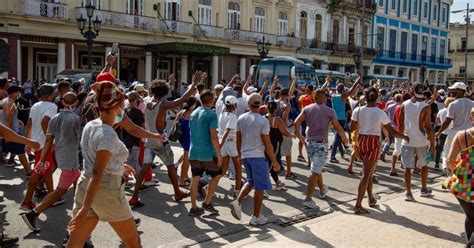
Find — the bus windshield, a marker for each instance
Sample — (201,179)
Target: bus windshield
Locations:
(282,69)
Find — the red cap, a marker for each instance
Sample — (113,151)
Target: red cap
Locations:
(105,76)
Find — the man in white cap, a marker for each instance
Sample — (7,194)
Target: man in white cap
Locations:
(459,114)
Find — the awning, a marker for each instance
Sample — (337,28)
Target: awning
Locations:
(187,48)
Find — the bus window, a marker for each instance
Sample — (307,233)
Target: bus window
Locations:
(282,72)
(264,70)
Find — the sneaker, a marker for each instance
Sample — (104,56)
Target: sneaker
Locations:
(151,183)
(334,160)
(30,219)
(195,211)
(134,204)
(27,206)
(137,222)
(180,196)
(426,192)
(301,158)
(258,221)
(59,202)
(322,195)
(235,209)
(280,186)
(409,197)
(209,208)
(291,176)
(231,176)
(144,188)
(5,241)
(310,204)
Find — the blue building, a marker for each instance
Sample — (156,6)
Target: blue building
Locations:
(412,39)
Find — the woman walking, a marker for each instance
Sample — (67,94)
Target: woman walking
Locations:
(100,192)
(460,183)
(368,121)
(183,118)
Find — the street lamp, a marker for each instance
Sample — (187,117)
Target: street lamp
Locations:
(91,31)
(263,47)
(423,70)
(357,59)
(468,22)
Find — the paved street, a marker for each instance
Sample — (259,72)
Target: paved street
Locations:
(165,222)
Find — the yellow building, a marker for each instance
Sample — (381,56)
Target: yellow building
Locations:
(156,37)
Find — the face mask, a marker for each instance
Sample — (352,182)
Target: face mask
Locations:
(119,117)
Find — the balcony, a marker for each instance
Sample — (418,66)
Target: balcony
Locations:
(248,36)
(50,10)
(412,57)
(122,20)
(211,32)
(176,27)
(288,42)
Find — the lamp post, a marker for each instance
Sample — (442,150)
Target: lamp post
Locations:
(91,31)
(423,70)
(468,22)
(263,47)
(357,59)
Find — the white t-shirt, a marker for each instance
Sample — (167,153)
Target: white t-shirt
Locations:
(227,120)
(460,112)
(443,115)
(251,126)
(370,120)
(38,112)
(242,106)
(220,106)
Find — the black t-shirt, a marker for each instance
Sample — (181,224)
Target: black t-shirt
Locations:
(138,119)
(23,106)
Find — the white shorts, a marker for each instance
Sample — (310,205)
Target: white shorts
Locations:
(229,148)
(398,147)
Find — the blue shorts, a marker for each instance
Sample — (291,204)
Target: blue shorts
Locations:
(13,148)
(257,173)
(318,152)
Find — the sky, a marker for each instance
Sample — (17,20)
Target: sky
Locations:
(461,4)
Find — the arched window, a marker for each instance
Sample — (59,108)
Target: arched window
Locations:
(259,20)
(233,16)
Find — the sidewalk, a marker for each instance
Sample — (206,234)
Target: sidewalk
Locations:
(428,222)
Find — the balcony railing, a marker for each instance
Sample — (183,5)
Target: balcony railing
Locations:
(412,57)
(289,42)
(178,27)
(248,36)
(211,32)
(116,19)
(334,47)
(51,10)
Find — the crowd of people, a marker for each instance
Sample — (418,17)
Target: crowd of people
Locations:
(105,136)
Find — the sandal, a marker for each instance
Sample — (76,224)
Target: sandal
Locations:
(360,211)
(372,202)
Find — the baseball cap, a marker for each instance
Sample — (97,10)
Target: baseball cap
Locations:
(251,89)
(139,88)
(458,86)
(441,92)
(219,87)
(14,88)
(255,100)
(105,76)
(45,90)
(230,100)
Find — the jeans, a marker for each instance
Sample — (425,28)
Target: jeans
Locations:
(469,221)
(338,141)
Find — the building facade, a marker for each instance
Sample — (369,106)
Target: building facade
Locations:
(412,37)
(458,46)
(329,34)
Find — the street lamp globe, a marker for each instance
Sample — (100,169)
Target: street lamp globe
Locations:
(97,24)
(81,23)
(90,10)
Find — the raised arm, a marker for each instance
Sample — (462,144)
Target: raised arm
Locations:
(292,87)
(352,90)
(264,88)
(179,101)
(274,85)
(326,83)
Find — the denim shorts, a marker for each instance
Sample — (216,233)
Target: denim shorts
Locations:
(318,152)
(408,156)
(258,173)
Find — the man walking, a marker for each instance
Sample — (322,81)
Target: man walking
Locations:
(204,152)
(318,116)
(415,122)
(253,141)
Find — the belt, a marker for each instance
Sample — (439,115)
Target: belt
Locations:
(317,142)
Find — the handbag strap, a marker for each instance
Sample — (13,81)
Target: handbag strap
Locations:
(176,120)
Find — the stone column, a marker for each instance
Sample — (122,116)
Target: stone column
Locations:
(61,57)
(184,69)
(148,63)
(73,57)
(215,70)
(243,68)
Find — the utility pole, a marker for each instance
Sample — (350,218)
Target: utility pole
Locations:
(468,22)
